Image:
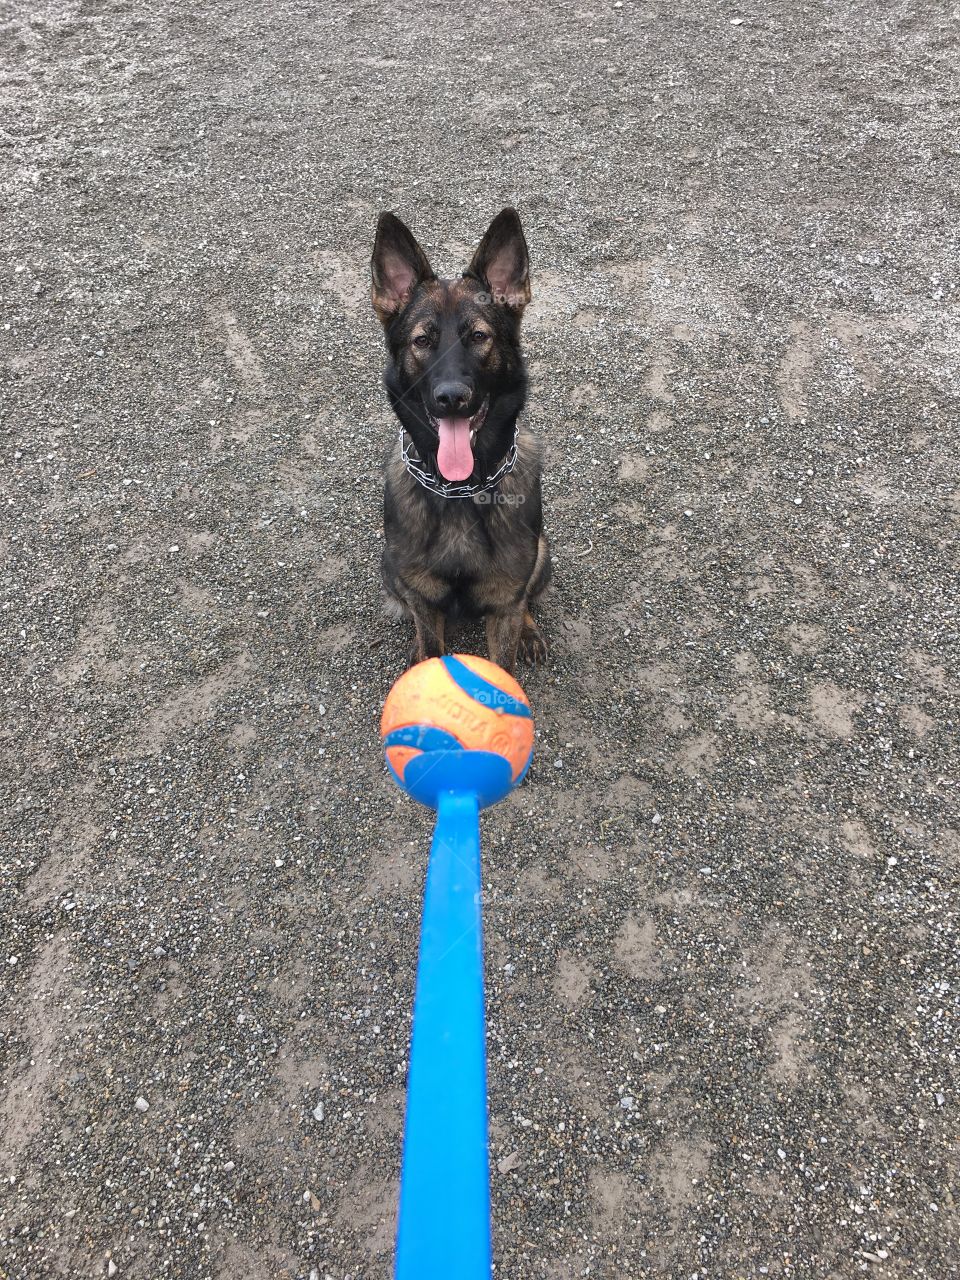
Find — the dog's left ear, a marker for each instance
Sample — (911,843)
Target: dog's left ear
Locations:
(502,262)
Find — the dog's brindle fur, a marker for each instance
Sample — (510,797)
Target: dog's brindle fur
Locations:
(484,555)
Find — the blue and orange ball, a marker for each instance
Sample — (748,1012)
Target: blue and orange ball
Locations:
(459,703)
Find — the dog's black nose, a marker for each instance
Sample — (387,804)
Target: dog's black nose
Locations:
(451,396)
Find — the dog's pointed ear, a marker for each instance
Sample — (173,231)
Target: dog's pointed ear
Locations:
(398,265)
(502,262)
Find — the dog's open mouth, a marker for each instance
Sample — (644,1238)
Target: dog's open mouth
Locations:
(457,438)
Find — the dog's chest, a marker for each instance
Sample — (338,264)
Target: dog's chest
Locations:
(457,543)
(467,555)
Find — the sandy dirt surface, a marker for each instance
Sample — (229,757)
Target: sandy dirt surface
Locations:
(722,962)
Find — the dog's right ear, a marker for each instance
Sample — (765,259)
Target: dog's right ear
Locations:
(398,265)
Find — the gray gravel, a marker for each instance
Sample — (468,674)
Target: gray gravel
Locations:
(721,913)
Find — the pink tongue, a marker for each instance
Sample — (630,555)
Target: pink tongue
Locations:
(454,456)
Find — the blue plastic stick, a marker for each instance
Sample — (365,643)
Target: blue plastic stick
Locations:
(444,1224)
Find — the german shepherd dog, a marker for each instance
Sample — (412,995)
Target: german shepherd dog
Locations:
(463,523)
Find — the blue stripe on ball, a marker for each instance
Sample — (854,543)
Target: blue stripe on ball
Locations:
(482,691)
(425,736)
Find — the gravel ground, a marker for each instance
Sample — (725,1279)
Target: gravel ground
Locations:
(721,913)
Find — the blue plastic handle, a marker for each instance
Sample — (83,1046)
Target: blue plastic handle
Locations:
(443,1231)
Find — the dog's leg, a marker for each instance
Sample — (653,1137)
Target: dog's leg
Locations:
(503,636)
(428,642)
(542,570)
(532,647)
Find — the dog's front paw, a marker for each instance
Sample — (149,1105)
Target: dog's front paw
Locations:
(532,647)
(415,654)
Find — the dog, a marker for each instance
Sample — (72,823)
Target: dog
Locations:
(463,519)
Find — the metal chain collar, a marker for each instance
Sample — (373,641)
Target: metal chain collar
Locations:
(446,489)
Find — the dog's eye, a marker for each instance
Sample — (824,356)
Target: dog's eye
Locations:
(421,340)
(479,335)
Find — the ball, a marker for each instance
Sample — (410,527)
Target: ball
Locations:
(457,703)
